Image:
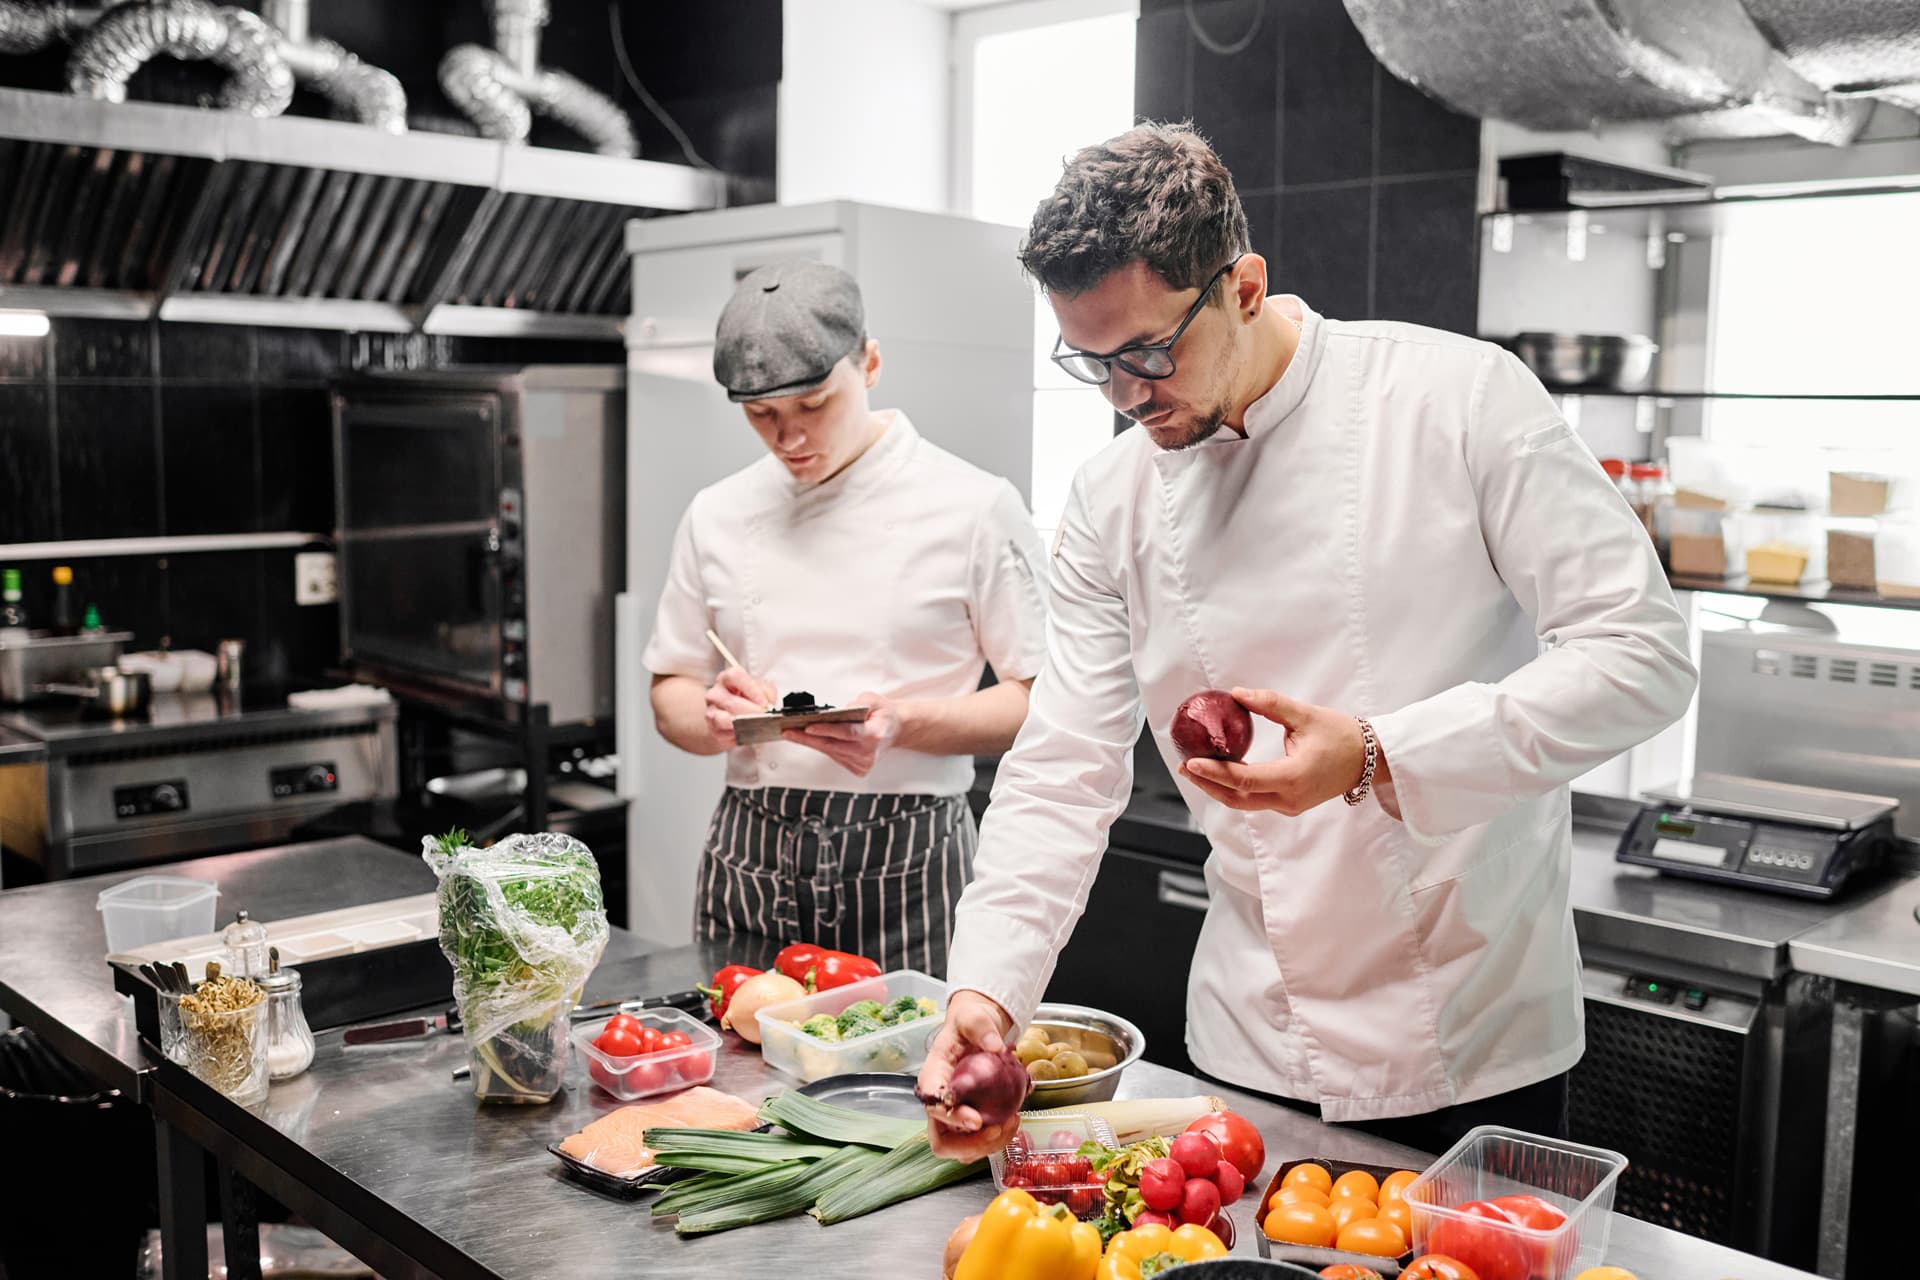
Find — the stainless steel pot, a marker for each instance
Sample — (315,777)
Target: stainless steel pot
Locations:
(109,691)
(1615,362)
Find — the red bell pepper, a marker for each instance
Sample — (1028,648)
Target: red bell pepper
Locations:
(796,960)
(724,984)
(836,969)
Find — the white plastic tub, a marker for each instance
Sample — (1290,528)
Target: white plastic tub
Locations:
(150,909)
(899,1049)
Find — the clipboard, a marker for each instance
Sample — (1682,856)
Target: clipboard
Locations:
(750,731)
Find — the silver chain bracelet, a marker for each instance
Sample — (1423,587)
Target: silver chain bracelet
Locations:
(1365,788)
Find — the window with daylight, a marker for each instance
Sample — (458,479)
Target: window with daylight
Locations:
(1035,82)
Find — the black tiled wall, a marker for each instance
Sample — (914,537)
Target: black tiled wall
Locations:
(113,429)
(1359,188)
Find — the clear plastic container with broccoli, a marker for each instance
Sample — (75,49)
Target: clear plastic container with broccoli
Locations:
(881,1024)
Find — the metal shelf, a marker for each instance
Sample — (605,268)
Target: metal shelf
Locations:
(1554,388)
(1810,593)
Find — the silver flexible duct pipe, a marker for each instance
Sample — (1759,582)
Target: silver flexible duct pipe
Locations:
(499,89)
(366,93)
(126,37)
(28,27)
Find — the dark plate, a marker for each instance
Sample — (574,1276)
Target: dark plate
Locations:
(1247,1269)
(876,1093)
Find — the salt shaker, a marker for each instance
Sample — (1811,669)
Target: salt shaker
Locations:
(289,1039)
(246,943)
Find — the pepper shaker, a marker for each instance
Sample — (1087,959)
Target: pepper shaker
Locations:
(246,944)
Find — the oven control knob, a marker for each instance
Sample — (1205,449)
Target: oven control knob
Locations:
(513,662)
(166,796)
(319,778)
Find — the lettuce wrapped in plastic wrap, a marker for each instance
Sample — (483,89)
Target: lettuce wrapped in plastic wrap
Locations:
(522,922)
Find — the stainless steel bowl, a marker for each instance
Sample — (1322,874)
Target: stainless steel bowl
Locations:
(1085,1029)
(1614,362)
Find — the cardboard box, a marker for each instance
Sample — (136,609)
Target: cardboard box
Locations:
(1857,493)
(1698,555)
(1850,561)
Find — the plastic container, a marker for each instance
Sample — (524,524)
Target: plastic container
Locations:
(903,1048)
(150,909)
(525,1063)
(1044,1160)
(1782,547)
(1896,555)
(646,1074)
(1491,1161)
(1698,543)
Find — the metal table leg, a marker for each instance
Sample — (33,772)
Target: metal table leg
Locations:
(183,1204)
(240,1224)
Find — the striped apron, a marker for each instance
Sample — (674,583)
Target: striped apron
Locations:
(875,875)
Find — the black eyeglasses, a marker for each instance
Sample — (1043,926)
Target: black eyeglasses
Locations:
(1152,360)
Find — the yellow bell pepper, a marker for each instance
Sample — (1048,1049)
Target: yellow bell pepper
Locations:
(1146,1251)
(1021,1239)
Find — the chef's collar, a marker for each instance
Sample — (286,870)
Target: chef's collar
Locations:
(865,471)
(1271,409)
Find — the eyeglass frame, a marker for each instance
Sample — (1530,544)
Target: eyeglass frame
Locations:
(1118,355)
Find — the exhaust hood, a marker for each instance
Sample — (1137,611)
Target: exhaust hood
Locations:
(141,209)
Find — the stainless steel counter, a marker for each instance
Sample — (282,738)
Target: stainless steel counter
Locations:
(1875,943)
(20,748)
(385,1152)
(177,717)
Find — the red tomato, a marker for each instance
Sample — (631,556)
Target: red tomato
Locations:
(675,1040)
(1437,1266)
(1084,1200)
(1485,1240)
(606,1077)
(696,1068)
(1238,1140)
(618,1043)
(1530,1211)
(625,1022)
(650,1039)
(648,1077)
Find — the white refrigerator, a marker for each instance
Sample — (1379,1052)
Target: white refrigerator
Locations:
(953,314)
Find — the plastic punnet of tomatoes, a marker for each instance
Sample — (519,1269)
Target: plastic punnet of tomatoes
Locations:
(1318,1213)
(1516,1206)
(1043,1159)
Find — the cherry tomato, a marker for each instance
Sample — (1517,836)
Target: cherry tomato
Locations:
(1374,1236)
(1357,1182)
(616,1042)
(1308,1174)
(650,1039)
(1238,1140)
(1484,1239)
(625,1022)
(1394,1185)
(1400,1214)
(1438,1266)
(1084,1200)
(606,1077)
(695,1068)
(1298,1193)
(675,1040)
(1307,1224)
(648,1077)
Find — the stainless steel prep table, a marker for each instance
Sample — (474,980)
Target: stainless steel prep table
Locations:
(1872,953)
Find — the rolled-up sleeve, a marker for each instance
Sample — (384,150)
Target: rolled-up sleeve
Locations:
(1060,787)
(1006,573)
(1616,667)
(679,645)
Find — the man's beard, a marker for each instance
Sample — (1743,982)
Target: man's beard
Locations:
(1200,430)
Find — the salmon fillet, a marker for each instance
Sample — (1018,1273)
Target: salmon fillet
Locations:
(612,1144)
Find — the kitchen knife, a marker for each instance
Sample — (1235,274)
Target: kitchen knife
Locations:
(403,1029)
(688,1000)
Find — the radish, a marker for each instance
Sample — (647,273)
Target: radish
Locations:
(1199,1202)
(1227,1177)
(1155,1218)
(1161,1182)
(1198,1154)
(1212,724)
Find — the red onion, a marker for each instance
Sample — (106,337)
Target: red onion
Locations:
(1212,724)
(994,1084)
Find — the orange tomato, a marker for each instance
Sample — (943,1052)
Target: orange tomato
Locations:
(1400,1214)
(1395,1187)
(1357,1182)
(1347,1210)
(1374,1236)
(1298,1193)
(1308,1174)
(1307,1224)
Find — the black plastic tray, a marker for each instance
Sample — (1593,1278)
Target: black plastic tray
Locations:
(1306,1255)
(651,1178)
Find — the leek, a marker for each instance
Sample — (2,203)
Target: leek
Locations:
(797,1113)
(1140,1118)
(713,1191)
(910,1169)
(771,1201)
(728,1150)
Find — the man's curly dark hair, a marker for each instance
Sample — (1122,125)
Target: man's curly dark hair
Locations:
(1157,192)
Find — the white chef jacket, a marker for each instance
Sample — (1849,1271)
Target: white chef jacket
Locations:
(1406,524)
(904,574)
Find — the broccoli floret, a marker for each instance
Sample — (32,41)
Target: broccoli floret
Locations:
(905,1009)
(927,1007)
(888,1057)
(822,1026)
(863,1011)
(853,1025)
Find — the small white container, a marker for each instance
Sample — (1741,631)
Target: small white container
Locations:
(898,1049)
(644,1075)
(150,909)
(1782,547)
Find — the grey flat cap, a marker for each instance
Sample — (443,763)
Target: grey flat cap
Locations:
(785,328)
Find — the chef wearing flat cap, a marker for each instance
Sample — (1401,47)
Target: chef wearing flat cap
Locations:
(862,564)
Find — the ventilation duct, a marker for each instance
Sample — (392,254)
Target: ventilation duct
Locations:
(1753,68)
(500,88)
(27,26)
(365,93)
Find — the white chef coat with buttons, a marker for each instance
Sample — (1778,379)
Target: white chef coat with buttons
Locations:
(904,574)
(1411,533)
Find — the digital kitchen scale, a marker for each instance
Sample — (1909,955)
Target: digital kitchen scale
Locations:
(1805,841)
